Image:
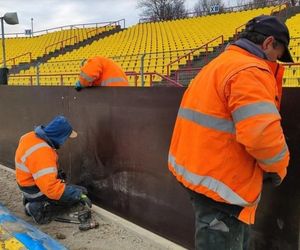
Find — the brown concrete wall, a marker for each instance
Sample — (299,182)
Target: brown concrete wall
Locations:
(121,156)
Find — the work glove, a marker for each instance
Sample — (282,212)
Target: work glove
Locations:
(85,200)
(61,175)
(78,86)
(273,178)
(74,194)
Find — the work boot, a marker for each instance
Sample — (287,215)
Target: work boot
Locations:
(39,211)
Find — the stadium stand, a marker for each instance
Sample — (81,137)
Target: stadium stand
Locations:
(158,48)
(25,49)
(292,72)
(159,42)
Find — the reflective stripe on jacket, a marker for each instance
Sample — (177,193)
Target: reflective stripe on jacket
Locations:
(36,165)
(228,131)
(101,71)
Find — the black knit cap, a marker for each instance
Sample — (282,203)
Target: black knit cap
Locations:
(272,26)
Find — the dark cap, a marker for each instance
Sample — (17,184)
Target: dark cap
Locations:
(272,26)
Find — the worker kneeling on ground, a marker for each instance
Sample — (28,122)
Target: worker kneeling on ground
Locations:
(37,171)
(101,71)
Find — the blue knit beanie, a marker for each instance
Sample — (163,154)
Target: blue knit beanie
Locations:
(57,131)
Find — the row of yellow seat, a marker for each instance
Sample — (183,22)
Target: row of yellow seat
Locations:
(161,42)
(25,48)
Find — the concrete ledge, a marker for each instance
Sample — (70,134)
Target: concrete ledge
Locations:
(7,169)
(137,229)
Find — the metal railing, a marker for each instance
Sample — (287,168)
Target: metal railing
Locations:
(19,56)
(236,8)
(149,67)
(182,77)
(62,43)
(120,22)
(192,52)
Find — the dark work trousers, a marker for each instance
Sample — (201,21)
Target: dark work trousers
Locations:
(42,209)
(216,225)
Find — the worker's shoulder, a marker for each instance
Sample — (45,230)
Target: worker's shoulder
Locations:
(32,138)
(243,59)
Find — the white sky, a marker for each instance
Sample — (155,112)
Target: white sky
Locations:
(54,13)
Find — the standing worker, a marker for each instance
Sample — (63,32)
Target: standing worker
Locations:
(228,134)
(37,171)
(101,71)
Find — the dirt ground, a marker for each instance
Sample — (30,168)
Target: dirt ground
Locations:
(109,236)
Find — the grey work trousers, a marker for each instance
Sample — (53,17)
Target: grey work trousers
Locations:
(217,229)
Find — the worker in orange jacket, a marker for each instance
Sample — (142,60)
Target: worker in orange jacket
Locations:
(101,71)
(37,171)
(228,134)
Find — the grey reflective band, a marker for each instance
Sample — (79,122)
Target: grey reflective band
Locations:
(22,167)
(254,109)
(275,158)
(207,120)
(32,149)
(113,79)
(212,184)
(28,152)
(44,171)
(86,77)
(32,196)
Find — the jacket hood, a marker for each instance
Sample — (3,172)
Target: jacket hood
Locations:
(56,132)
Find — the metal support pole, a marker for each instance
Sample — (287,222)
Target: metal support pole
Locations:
(3,43)
(31,27)
(38,74)
(142,70)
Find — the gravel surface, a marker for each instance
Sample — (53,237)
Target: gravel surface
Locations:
(109,235)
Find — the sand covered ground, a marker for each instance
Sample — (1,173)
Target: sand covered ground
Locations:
(109,234)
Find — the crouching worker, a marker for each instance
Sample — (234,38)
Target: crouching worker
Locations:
(101,71)
(37,171)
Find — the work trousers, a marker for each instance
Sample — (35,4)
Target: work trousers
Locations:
(43,210)
(217,228)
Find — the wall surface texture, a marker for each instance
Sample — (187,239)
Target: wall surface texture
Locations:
(121,155)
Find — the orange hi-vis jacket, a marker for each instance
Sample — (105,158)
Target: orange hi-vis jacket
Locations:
(228,131)
(36,166)
(101,71)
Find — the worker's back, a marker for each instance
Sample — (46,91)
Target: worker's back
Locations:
(36,165)
(101,71)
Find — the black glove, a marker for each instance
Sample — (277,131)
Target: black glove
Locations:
(273,178)
(61,175)
(78,86)
(85,200)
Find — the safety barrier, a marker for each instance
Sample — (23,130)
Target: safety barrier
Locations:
(121,156)
(120,22)
(292,75)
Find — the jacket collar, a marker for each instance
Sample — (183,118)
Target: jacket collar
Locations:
(251,47)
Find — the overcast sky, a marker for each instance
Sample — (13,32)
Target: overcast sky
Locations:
(53,13)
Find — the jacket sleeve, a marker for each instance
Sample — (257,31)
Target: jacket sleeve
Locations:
(90,72)
(44,172)
(251,101)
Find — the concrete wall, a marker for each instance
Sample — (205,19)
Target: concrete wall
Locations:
(121,156)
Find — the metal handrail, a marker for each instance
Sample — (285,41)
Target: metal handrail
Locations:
(60,28)
(60,42)
(133,73)
(97,28)
(224,10)
(14,58)
(237,30)
(279,7)
(192,51)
